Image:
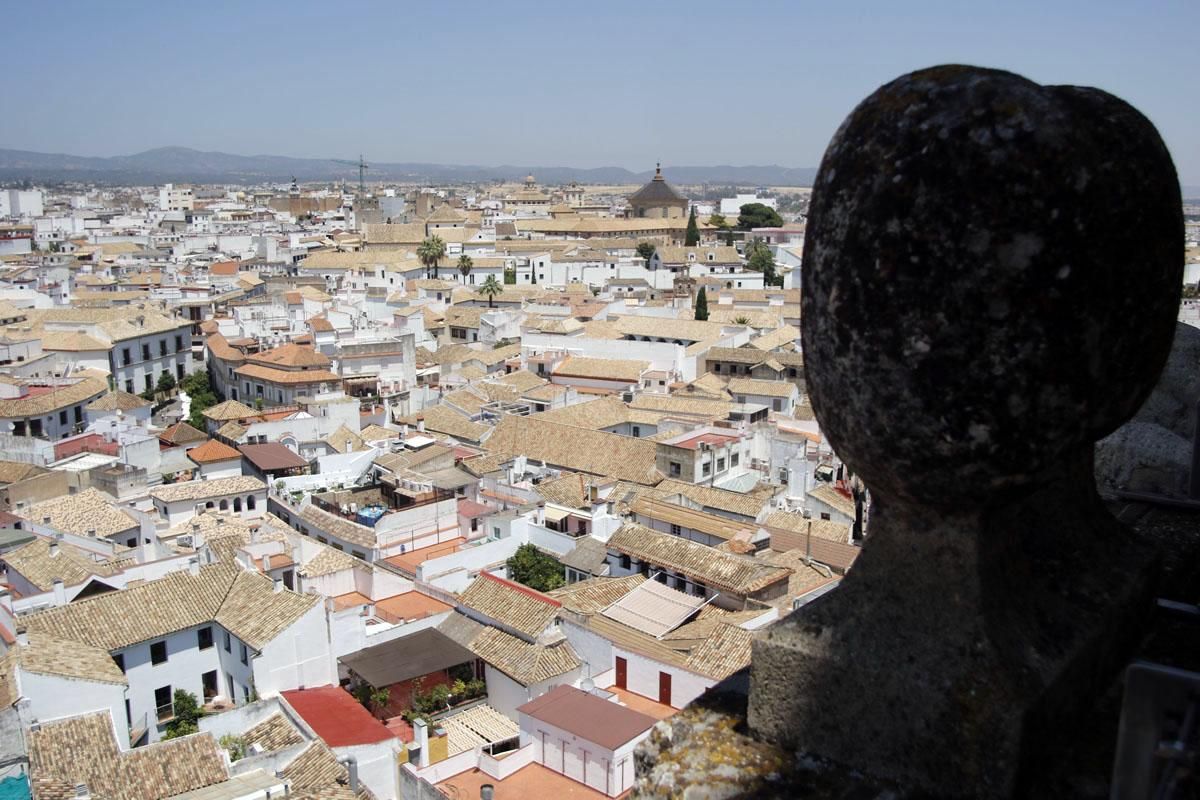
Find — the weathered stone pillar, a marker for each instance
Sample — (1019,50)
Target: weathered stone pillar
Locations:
(991,277)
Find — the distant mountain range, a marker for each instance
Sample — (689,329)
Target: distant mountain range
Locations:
(181,164)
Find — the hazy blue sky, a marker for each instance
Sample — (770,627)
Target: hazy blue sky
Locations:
(550,83)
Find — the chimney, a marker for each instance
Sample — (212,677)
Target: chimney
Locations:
(54,547)
(266,562)
(404,431)
(541,514)
(277,585)
(349,446)
(60,592)
(352,768)
(22,636)
(421,740)
(420,426)
(91,532)
(194,566)
(487,792)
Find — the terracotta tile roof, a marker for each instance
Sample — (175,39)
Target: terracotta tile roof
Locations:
(377,433)
(291,355)
(337,526)
(576,449)
(780,337)
(798,524)
(229,410)
(181,433)
(80,514)
(440,419)
(48,655)
(58,397)
(287,377)
(317,773)
(83,750)
(34,562)
(326,562)
(711,524)
(525,662)
(212,451)
(569,489)
(518,607)
(722,653)
(118,401)
(244,602)
(742,504)
(752,386)
(602,368)
(201,490)
(723,571)
(522,380)
(830,496)
(595,594)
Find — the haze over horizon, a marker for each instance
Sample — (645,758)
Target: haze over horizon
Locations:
(625,86)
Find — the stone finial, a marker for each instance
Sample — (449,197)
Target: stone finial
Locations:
(991,276)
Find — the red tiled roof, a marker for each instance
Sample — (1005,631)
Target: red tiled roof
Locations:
(336,717)
(469,508)
(224,268)
(211,451)
(414,558)
(518,587)
(272,456)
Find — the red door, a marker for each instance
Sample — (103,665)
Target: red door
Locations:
(664,688)
(622,669)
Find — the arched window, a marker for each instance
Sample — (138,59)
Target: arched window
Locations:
(237,504)
(224,505)
(209,504)
(250,503)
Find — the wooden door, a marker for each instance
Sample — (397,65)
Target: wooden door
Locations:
(664,688)
(622,672)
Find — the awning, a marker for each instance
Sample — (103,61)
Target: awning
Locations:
(408,657)
(555,514)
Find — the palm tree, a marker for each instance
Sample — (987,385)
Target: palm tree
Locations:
(431,252)
(464,266)
(490,288)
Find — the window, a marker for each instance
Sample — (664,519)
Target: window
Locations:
(360,555)
(119,660)
(178,343)
(246,694)
(145,351)
(62,417)
(250,502)
(204,638)
(129,385)
(162,347)
(637,431)
(825,516)
(626,561)
(777,404)
(158,653)
(733,459)
(675,469)
(149,382)
(721,464)
(209,681)
(162,703)
(79,413)
(676,530)
(245,654)
(706,468)
(125,356)
(227,643)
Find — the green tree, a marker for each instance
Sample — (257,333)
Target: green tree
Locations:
(202,396)
(187,711)
(535,569)
(646,251)
(692,237)
(510,276)
(166,382)
(759,259)
(729,237)
(464,266)
(757,215)
(490,288)
(718,221)
(701,310)
(431,252)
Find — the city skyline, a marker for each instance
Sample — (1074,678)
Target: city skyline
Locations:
(576,88)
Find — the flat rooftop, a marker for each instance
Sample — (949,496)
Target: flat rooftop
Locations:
(414,558)
(337,717)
